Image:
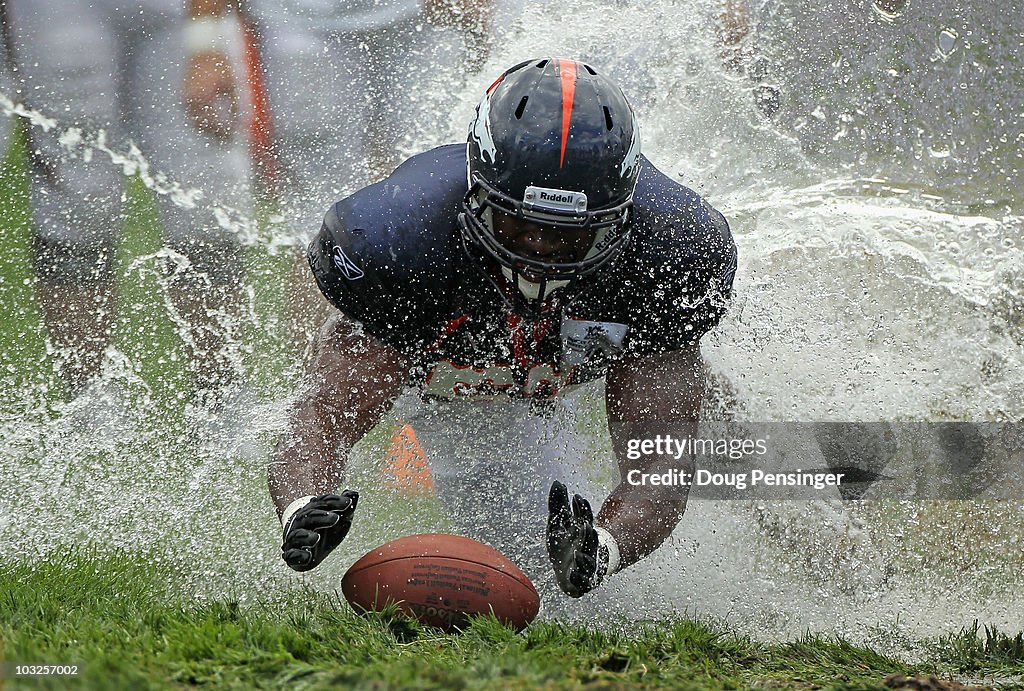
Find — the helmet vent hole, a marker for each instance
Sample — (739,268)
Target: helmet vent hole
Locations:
(522,106)
(542,63)
(590,69)
(607,118)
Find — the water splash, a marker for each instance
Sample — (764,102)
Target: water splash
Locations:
(889,10)
(880,278)
(79,144)
(947,44)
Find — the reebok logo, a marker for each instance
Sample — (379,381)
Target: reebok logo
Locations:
(345,265)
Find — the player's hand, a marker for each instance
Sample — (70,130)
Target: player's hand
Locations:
(579,562)
(473,18)
(211,100)
(317,528)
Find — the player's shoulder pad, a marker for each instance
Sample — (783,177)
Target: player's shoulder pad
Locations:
(384,255)
(674,278)
(679,237)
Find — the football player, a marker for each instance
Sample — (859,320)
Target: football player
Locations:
(111,73)
(565,257)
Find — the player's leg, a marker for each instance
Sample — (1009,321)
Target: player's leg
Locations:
(205,284)
(317,85)
(493,465)
(7,89)
(68,59)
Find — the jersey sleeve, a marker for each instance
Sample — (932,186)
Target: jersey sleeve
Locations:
(386,264)
(385,255)
(688,280)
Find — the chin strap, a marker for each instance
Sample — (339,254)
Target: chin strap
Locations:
(514,299)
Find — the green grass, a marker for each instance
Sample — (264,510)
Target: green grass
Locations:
(111,614)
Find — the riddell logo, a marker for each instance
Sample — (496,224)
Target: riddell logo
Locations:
(544,198)
(558,198)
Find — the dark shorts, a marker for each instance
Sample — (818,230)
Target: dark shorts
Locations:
(218,264)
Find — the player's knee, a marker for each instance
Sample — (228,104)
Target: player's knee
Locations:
(62,262)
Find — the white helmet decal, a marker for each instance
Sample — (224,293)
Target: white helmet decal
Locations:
(634,152)
(480,130)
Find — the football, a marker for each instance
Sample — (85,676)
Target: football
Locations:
(441,580)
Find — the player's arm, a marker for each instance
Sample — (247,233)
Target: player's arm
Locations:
(210,94)
(645,397)
(352,383)
(468,15)
(733,29)
(656,395)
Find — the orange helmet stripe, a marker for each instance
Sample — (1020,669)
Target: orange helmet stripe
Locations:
(495,83)
(567,71)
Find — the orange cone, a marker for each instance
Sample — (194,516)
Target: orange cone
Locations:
(407,470)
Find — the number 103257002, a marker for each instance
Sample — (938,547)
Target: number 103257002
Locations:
(43,670)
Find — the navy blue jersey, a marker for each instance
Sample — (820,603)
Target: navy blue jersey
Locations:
(390,257)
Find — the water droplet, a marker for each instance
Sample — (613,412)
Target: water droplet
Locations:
(947,43)
(889,10)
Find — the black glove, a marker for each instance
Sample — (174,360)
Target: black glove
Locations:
(317,528)
(580,562)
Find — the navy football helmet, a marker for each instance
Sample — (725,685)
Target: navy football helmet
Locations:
(553,143)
